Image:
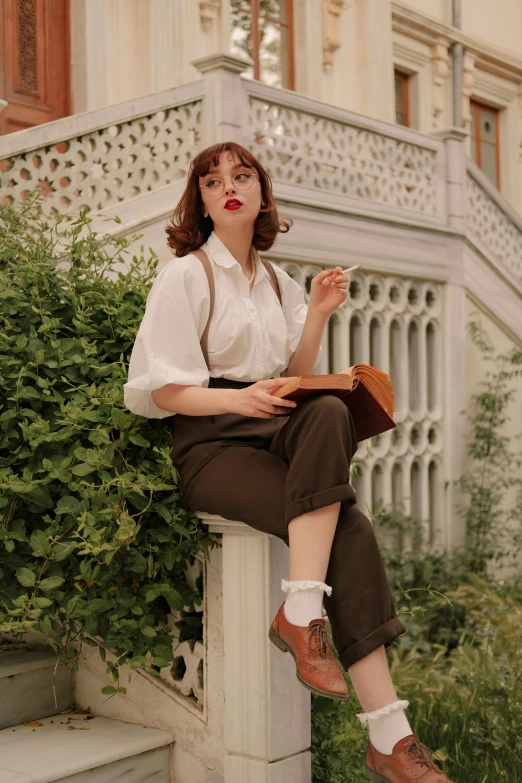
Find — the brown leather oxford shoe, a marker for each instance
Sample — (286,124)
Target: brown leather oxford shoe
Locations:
(317,668)
(409,761)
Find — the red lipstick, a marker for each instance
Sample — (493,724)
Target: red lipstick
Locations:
(233,203)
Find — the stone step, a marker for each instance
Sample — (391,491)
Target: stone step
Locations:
(26,685)
(74,748)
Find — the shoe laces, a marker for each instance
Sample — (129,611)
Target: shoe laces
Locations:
(318,632)
(421,754)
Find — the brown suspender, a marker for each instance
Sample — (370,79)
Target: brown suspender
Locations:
(212,290)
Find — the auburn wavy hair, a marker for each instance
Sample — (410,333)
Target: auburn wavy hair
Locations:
(188,229)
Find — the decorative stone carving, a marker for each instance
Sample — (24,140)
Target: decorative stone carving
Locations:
(186,675)
(468,82)
(440,60)
(304,149)
(331,40)
(102,167)
(208,11)
(493,227)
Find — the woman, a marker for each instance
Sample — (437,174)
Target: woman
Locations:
(247,455)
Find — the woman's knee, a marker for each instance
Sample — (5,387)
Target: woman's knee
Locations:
(327,405)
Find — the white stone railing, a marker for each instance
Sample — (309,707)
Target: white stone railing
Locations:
(93,160)
(492,223)
(327,150)
(395,324)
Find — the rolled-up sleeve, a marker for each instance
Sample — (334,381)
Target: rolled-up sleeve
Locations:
(167,347)
(295,310)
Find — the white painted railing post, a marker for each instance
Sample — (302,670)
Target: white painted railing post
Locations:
(266,711)
(225,108)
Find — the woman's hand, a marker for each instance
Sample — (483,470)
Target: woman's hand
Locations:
(328,291)
(256,400)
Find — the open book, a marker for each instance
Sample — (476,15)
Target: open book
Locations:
(366,391)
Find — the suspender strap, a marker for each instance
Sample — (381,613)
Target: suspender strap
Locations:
(274,282)
(212,290)
(273,278)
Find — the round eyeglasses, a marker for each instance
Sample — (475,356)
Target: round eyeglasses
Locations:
(215,185)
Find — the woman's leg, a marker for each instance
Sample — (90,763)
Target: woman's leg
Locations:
(372,681)
(310,539)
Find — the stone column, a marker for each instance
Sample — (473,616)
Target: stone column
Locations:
(453,139)
(454,336)
(266,710)
(375,59)
(226,99)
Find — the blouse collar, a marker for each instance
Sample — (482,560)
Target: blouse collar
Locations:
(222,256)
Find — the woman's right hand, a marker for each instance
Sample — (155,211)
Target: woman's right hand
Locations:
(256,399)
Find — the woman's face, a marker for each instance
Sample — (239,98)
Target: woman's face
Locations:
(234,206)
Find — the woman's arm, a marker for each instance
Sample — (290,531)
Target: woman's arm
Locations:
(328,291)
(193,400)
(305,356)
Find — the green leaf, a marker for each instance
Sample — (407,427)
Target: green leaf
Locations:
(139,440)
(51,583)
(26,577)
(137,661)
(161,662)
(68,505)
(62,551)
(108,690)
(43,603)
(40,543)
(39,496)
(148,631)
(83,469)
(121,419)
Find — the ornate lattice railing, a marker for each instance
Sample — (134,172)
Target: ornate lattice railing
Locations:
(101,158)
(317,146)
(493,222)
(395,324)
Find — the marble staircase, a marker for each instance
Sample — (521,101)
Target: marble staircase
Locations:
(43,740)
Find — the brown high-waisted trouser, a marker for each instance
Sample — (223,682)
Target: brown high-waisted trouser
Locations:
(266,472)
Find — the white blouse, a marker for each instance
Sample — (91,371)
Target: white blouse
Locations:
(251,337)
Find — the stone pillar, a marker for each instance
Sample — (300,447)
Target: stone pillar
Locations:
(454,139)
(375,59)
(226,99)
(454,336)
(266,710)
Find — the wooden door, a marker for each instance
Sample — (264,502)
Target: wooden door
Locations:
(34,62)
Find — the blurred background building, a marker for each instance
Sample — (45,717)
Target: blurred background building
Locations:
(393,136)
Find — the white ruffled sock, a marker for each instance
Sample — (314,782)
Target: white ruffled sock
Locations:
(387,726)
(305,601)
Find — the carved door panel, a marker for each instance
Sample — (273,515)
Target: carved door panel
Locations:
(34,62)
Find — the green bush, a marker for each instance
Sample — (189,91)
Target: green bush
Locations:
(459,667)
(94,538)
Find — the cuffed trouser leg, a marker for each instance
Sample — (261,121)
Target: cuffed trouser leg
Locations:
(318,443)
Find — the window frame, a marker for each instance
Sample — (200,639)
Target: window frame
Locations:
(404,78)
(479,106)
(255,14)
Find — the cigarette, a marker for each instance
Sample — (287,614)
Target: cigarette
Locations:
(350,269)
